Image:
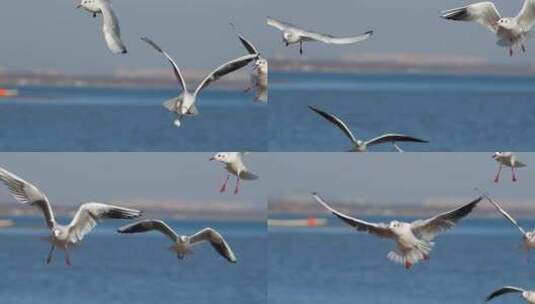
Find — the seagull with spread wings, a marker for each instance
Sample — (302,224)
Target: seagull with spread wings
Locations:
(182,244)
(360,145)
(507,159)
(414,240)
(110,23)
(292,34)
(234,165)
(184,104)
(511,31)
(528,295)
(63,237)
(259,77)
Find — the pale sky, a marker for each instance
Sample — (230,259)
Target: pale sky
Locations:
(53,35)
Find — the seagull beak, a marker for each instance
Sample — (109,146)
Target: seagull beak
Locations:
(78,6)
(211,158)
(493,155)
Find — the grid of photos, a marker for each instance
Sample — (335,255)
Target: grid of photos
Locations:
(267,152)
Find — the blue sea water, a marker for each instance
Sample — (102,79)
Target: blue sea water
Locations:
(454,113)
(113,268)
(338,265)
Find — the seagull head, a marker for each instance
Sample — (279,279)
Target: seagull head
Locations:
(56,233)
(260,63)
(289,38)
(529,236)
(507,23)
(223,157)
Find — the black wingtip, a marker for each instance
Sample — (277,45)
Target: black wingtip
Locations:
(370,33)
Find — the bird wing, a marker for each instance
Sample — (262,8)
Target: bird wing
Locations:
(88,215)
(26,193)
(336,121)
(505,214)
(391,138)
(502,291)
(526,17)
(176,70)
(519,164)
(148,225)
(110,28)
(246,43)
(280,25)
(379,229)
(484,13)
(325,38)
(216,240)
(225,69)
(427,229)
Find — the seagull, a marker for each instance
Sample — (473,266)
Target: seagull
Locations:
(259,77)
(507,159)
(528,295)
(183,243)
(184,104)
(360,145)
(234,165)
(293,34)
(511,31)
(528,237)
(63,236)
(413,240)
(110,23)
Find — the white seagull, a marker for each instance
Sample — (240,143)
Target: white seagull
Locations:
(184,104)
(511,31)
(527,237)
(259,77)
(110,23)
(413,240)
(183,243)
(234,165)
(360,145)
(507,159)
(292,34)
(63,236)
(528,295)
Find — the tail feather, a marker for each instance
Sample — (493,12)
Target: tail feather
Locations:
(413,256)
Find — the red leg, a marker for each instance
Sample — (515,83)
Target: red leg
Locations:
(497,178)
(523,48)
(237,189)
(426,257)
(224,186)
(514,176)
(67,259)
(408,265)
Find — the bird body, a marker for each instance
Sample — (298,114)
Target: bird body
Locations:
(507,159)
(234,165)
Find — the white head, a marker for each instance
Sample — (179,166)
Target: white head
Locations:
(56,232)
(501,155)
(183,239)
(507,23)
(529,236)
(396,226)
(224,157)
(289,38)
(260,63)
(88,4)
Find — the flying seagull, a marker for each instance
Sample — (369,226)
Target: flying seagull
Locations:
(360,145)
(528,295)
(292,34)
(233,162)
(527,237)
(183,243)
(184,104)
(511,31)
(507,159)
(413,240)
(63,236)
(110,23)
(259,77)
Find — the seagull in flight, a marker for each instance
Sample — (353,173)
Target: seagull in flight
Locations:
(184,104)
(182,244)
(511,31)
(63,237)
(110,23)
(259,77)
(528,295)
(234,165)
(292,34)
(413,240)
(507,159)
(360,145)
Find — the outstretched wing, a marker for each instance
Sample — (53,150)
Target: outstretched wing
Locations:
(110,28)
(225,69)
(280,25)
(336,121)
(216,240)
(484,13)
(176,70)
(246,43)
(505,214)
(380,229)
(502,291)
(149,225)
(325,38)
(88,215)
(429,228)
(526,17)
(26,193)
(393,138)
